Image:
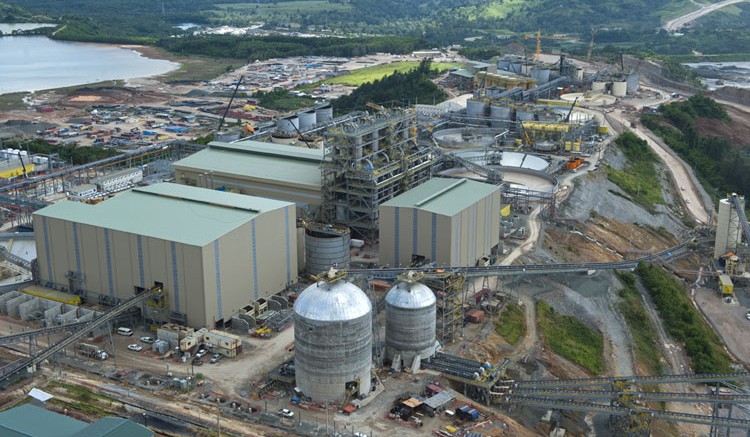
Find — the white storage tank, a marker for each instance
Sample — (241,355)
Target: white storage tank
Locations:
(289,124)
(333,340)
(410,322)
(728,229)
(619,89)
(307,119)
(599,86)
(476,108)
(323,114)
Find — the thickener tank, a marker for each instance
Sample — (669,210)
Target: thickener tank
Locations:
(728,228)
(332,340)
(476,108)
(326,247)
(410,314)
(619,89)
(306,119)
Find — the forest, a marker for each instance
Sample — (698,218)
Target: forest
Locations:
(675,124)
(398,89)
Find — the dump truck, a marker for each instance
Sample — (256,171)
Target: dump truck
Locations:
(573,163)
(91,351)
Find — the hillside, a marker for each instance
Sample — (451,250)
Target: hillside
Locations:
(439,20)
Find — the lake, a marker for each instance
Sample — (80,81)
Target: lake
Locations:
(32,63)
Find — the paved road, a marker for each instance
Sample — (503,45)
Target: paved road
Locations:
(679,22)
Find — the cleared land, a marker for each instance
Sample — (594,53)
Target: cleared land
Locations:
(371,74)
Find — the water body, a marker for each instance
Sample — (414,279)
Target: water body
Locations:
(718,74)
(10,27)
(32,63)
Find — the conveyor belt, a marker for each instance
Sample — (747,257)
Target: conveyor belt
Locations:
(608,395)
(660,379)
(22,336)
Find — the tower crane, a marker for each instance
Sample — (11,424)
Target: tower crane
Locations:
(539,36)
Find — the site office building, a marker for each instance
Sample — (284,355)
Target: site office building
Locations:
(213,252)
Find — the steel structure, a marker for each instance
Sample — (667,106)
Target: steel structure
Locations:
(369,161)
(30,363)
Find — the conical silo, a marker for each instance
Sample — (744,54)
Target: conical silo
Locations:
(332,340)
(410,314)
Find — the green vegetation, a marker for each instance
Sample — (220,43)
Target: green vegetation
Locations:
(706,154)
(371,74)
(282,100)
(683,322)
(398,88)
(69,153)
(511,324)
(571,339)
(639,323)
(639,180)
(279,46)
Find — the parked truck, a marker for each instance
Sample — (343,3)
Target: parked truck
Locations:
(91,351)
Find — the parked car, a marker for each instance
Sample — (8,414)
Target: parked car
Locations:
(200,353)
(147,340)
(135,347)
(289,414)
(215,358)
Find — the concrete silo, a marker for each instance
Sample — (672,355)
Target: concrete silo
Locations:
(728,226)
(333,340)
(619,88)
(306,119)
(410,320)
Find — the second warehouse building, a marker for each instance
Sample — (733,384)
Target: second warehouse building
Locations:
(212,252)
(452,222)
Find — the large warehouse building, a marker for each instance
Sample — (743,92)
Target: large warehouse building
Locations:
(275,171)
(213,252)
(453,222)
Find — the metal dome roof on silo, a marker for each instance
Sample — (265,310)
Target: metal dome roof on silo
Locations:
(410,295)
(332,301)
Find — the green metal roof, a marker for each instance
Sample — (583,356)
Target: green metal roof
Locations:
(443,196)
(31,421)
(257,160)
(172,212)
(114,427)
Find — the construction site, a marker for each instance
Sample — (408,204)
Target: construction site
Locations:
(349,276)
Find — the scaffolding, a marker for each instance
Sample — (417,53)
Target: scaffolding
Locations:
(449,289)
(369,161)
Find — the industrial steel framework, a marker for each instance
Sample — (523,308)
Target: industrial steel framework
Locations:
(371,160)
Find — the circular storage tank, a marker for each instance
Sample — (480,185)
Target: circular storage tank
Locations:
(516,67)
(619,89)
(307,119)
(476,108)
(545,146)
(281,137)
(410,315)
(503,64)
(332,340)
(540,74)
(289,124)
(323,114)
(598,86)
(325,249)
(728,232)
(501,114)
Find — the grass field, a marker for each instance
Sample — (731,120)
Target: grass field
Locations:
(642,330)
(371,74)
(571,339)
(511,324)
